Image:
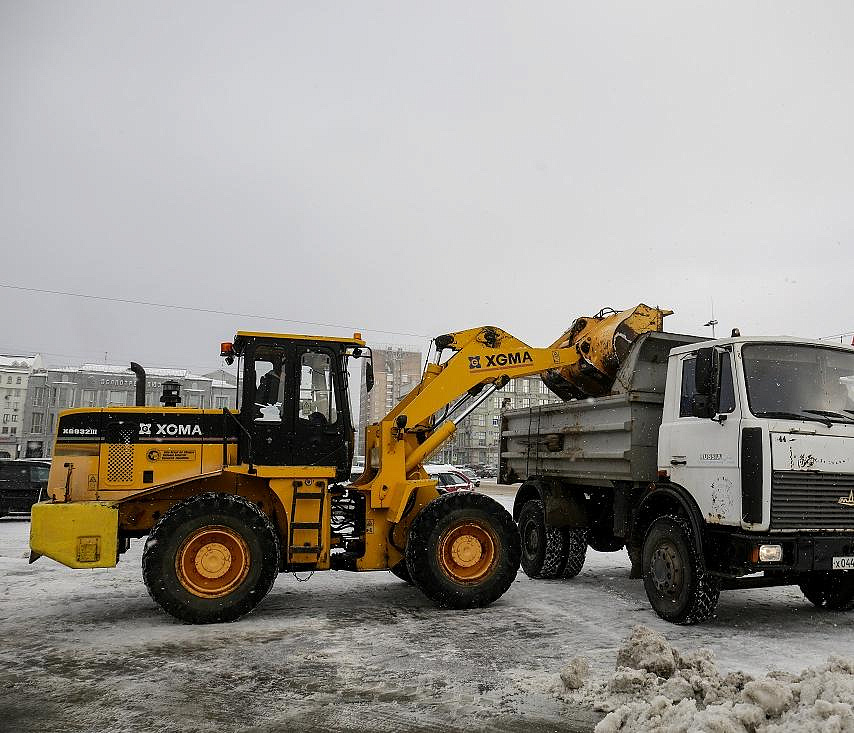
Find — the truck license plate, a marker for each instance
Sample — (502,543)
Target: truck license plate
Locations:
(843,563)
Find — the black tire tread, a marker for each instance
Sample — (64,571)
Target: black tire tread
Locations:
(702,597)
(553,560)
(400,570)
(575,541)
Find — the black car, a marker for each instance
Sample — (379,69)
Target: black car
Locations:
(22,484)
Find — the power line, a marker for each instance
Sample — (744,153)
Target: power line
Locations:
(212,311)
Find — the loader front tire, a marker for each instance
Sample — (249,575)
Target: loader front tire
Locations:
(211,558)
(463,550)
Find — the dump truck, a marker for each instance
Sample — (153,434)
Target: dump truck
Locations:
(717,464)
(228,500)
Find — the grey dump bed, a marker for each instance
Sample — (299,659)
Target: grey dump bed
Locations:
(598,440)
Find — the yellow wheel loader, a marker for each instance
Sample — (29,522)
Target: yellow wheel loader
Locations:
(228,500)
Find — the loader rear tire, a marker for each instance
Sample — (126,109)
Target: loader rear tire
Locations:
(211,558)
(463,550)
(543,547)
(401,571)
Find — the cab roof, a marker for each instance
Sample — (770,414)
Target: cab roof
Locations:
(785,340)
(354,340)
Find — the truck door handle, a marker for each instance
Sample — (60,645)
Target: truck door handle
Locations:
(674,462)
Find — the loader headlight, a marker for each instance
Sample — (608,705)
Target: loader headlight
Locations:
(770,553)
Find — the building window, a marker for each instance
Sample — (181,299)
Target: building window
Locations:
(117,398)
(38,422)
(38,396)
(220,401)
(18,380)
(8,380)
(480,420)
(5,431)
(6,417)
(14,418)
(526,385)
(88,398)
(13,431)
(194,399)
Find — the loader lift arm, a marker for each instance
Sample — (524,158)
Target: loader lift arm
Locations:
(484,360)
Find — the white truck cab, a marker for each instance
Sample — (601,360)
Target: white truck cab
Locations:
(770,446)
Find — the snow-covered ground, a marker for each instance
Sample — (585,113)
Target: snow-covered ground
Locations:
(90,651)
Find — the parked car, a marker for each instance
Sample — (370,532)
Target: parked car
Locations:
(448,478)
(23,482)
(469,474)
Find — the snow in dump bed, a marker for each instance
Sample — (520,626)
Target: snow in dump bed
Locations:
(657,688)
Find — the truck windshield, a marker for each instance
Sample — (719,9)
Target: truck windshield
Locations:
(804,382)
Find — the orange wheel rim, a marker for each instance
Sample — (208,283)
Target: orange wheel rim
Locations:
(467,552)
(212,562)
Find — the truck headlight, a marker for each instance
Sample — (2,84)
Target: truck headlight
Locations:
(770,553)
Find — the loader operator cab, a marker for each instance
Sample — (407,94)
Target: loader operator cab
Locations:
(294,400)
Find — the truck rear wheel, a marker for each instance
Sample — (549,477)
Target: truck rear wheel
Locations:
(575,546)
(678,589)
(211,558)
(833,590)
(463,550)
(543,547)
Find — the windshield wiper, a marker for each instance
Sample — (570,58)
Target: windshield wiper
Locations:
(830,413)
(796,416)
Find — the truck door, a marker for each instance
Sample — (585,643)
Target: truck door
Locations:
(704,452)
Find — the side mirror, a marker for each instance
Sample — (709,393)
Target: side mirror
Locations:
(369,376)
(706,383)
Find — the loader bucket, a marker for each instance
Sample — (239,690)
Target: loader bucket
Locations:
(601,343)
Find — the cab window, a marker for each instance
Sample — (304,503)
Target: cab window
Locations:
(269,384)
(727,387)
(317,389)
(689,386)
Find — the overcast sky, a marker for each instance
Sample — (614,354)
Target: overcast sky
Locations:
(419,168)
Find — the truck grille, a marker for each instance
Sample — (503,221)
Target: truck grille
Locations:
(802,500)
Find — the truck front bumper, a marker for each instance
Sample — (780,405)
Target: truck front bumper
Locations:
(737,553)
(78,535)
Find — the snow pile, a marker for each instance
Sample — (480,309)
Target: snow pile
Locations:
(657,688)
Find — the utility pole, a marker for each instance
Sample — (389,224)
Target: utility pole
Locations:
(712,322)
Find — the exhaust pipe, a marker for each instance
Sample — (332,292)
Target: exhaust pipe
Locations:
(140,383)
